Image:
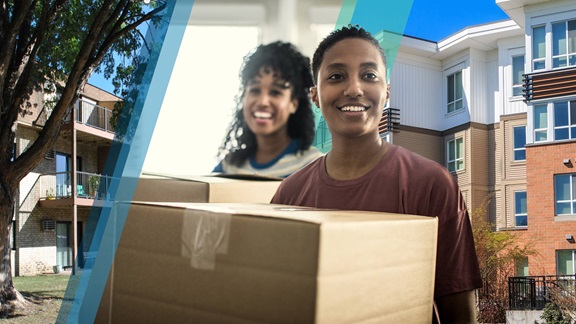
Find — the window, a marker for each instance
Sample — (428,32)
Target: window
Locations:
(564,120)
(566,260)
(565,193)
(521,266)
(520,210)
(455,92)
(538,48)
(517,72)
(540,123)
(519,143)
(564,44)
(456,154)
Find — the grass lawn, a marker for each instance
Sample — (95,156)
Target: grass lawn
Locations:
(44,292)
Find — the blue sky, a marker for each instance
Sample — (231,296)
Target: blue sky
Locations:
(435,20)
(430,20)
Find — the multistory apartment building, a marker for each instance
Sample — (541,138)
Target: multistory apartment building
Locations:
(59,191)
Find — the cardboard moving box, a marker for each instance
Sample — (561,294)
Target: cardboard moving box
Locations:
(202,189)
(261,263)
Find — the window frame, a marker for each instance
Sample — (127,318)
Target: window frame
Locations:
(524,264)
(566,40)
(551,129)
(573,261)
(518,213)
(514,144)
(572,193)
(455,91)
(540,59)
(456,159)
(517,84)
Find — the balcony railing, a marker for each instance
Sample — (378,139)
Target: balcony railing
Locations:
(534,292)
(549,84)
(59,185)
(93,115)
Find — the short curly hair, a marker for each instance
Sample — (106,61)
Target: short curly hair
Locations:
(289,65)
(350,31)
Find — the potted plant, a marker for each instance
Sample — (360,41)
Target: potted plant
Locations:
(93,183)
(50,195)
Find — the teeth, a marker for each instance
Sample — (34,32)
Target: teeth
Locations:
(262,114)
(353,108)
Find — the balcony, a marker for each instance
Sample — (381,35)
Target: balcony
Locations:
(549,84)
(56,189)
(94,116)
(390,121)
(532,293)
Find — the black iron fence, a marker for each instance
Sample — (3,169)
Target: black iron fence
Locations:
(534,292)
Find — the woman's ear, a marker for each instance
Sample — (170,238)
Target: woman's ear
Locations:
(314,96)
(294,104)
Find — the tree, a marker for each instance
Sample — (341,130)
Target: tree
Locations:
(53,46)
(498,252)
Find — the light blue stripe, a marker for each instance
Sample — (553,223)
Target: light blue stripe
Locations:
(346,13)
(85,290)
(386,20)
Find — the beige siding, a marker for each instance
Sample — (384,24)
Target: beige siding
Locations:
(479,156)
(495,156)
(424,143)
(514,170)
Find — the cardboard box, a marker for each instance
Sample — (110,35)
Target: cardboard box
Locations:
(261,263)
(202,189)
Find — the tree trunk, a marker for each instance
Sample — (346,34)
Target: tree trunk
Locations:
(9,296)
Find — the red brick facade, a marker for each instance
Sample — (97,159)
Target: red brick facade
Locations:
(547,232)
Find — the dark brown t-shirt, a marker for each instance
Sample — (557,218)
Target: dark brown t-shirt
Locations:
(406,183)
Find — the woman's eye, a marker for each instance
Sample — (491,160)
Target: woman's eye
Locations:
(370,76)
(275,93)
(254,91)
(335,76)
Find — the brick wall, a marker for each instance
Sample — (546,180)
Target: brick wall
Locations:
(35,248)
(545,231)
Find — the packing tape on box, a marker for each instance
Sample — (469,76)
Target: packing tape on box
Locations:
(205,234)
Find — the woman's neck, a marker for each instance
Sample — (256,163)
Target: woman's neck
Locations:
(270,147)
(352,158)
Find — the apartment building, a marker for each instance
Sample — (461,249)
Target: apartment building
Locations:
(64,187)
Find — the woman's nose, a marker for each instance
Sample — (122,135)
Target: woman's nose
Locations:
(353,88)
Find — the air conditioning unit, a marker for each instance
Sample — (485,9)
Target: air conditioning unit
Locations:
(50,154)
(48,225)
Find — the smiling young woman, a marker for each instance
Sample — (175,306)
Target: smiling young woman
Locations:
(273,128)
(363,172)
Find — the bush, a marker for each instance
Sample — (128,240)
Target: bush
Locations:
(553,315)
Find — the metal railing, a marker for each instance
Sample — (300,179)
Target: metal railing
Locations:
(59,185)
(93,115)
(533,292)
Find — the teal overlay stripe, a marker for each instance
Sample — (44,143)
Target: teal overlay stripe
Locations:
(124,164)
(346,13)
(386,20)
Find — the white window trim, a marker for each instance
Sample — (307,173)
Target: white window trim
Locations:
(514,149)
(531,132)
(512,53)
(459,67)
(448,160)
(520,214)
(573,259)
(544,20)
(571,201)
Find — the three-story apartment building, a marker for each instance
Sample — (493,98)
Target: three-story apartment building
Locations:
(64,186)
